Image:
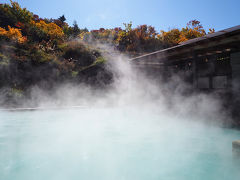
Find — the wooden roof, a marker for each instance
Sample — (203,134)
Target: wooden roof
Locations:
(222,41)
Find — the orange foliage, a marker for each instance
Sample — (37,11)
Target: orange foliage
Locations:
(51,29)
(211,30)
(13,34)
(174,36)
(171,37)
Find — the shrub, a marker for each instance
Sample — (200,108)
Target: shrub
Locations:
(12,34)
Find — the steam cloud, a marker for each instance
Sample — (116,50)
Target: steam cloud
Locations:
(137,128)
(132,88)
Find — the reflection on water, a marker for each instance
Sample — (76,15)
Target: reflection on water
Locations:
(107,144)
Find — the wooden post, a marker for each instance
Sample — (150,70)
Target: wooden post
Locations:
(194,69)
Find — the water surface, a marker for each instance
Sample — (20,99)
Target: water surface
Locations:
(112,144)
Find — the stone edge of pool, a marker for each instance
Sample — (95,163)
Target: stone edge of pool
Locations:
(236,147)
(43,108)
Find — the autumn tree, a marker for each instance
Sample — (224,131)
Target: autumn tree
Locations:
(125,38)
(193,30)
(211,30)
(174,36)
(13,34)
(170,37)
(139,39)
(12,14)
(46,31)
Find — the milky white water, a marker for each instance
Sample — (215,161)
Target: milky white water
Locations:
(113,144)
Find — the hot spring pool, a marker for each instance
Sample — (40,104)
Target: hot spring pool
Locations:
(112,144)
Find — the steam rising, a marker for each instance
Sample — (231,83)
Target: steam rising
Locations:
(132,88)
(137,128)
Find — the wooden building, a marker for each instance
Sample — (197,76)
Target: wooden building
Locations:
(210,63)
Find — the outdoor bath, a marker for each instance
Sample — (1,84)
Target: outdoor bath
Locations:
(130,90)
(122,143)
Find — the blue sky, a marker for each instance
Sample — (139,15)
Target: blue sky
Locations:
(162,14)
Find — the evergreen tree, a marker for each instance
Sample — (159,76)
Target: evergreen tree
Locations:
(62,18)
(76,29)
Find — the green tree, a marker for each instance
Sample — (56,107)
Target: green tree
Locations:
(62,18)
(76,29)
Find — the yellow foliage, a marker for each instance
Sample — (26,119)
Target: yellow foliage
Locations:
(191,33)
(211,30)
(172,37)
(3,32)
(85,36)
(13,34)
(51,29)
(175,36)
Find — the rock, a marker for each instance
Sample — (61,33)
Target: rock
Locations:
(236,147)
